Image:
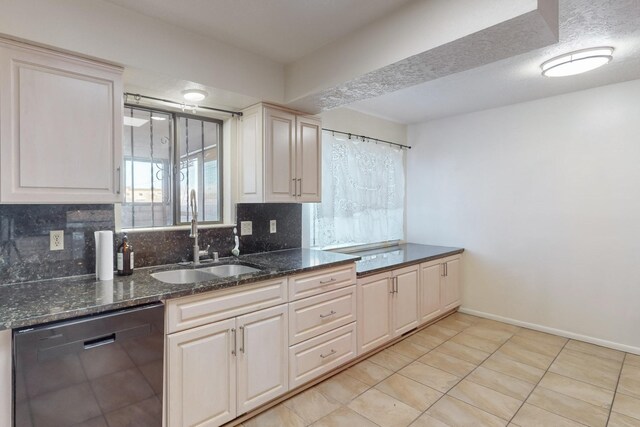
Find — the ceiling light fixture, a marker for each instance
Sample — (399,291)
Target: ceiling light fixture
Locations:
(194,95)
(579,61)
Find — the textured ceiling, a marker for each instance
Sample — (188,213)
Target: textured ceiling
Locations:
(521,34)
(583,23)
(283,30)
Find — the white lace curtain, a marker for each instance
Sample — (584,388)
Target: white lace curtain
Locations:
(362,194)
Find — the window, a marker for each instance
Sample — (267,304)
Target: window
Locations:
(362,194)
(166,155)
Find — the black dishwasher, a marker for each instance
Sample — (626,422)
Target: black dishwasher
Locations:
(97,371)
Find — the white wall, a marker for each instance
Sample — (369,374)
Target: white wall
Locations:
(545,197)
(357,123)
(112,33)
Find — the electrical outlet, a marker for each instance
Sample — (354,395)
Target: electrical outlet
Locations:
(272,226)
(246,228)
(56,240)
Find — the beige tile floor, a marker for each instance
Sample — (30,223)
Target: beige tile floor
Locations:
(468,371)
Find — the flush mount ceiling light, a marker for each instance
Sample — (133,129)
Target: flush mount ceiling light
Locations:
(194,95)
(579,61)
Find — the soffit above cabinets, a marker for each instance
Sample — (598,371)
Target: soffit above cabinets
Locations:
(583,23)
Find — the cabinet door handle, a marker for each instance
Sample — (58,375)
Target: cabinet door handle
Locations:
(324,282)
(300,185)
(295,188)
(331,353)
(331,313)
(397,288)
(233,347)
(243,347)
(442,269)
(393,286)
(446,269)
(119,180)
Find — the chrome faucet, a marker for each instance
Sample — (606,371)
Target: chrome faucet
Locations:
(194,227)
(197,253)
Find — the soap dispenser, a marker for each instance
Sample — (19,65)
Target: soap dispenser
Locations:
(236,249)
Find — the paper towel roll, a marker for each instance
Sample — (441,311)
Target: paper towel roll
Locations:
(104,255)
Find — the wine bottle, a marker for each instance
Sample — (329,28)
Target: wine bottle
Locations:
(125,258)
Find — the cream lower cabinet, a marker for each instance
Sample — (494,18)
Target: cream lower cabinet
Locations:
(262,357)
(387,306)
(439,287)
(219,371)
(202,375)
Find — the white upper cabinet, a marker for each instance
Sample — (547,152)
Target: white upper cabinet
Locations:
(60,127)
(279,156)
(308,159)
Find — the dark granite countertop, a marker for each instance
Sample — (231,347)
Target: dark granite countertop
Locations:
(384,259)
(31,303)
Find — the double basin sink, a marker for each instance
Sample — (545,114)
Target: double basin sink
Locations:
(178,277)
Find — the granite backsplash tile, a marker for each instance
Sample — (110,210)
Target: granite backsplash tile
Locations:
(161,247)
(288,233)
(24,238)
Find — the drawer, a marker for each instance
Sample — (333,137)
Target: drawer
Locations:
(197,310)
(317,282)
(314,357)
(316,315)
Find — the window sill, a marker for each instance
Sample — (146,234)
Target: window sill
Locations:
(175,227)
(360,248)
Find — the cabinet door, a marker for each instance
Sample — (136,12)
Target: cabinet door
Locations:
(405,300)
(201,384)
(451,285)
(374,312)
(429,291)
(249,172)
(262,357)
(6,379)
(60,128)
(308,159)
(279,146)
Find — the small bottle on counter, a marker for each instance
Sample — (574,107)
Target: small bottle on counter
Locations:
(124,258)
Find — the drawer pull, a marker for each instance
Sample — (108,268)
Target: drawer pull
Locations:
(331,313)
(331,353)
(324,282)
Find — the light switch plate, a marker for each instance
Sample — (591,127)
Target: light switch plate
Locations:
(246,228)
(56,240)
(272,226)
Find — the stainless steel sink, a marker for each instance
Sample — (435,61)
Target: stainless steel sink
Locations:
(178,277)
(227,270)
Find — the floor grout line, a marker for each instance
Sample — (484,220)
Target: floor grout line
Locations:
(464,377)
(536,386)
(615,392)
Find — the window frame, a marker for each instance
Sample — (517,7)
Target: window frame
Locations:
(175,168)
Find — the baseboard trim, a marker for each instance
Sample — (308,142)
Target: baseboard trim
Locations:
(561,332)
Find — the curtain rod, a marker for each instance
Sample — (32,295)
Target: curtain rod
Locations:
(363,137)
(137,97)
